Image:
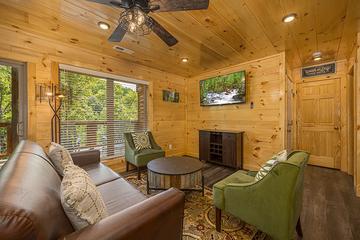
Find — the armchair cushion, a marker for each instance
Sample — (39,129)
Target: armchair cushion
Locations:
(146,155)
(218,188)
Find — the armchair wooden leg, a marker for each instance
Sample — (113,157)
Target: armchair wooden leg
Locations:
(127,166)
(218,219)
(298,228)
(139,174)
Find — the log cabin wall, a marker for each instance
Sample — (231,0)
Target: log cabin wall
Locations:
(42,55)
(264,125)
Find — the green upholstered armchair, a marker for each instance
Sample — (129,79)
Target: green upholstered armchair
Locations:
(272,204)
(140,158)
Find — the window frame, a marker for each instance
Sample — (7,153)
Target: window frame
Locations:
(141,123)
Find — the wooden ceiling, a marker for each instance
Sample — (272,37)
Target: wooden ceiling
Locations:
(229,32)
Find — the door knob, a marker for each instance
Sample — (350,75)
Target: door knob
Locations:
(336,128)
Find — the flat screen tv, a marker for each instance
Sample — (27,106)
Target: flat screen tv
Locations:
(222,90)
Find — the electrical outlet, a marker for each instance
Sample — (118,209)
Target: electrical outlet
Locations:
(170,146)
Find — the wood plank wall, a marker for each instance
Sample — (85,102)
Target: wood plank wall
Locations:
(167,120)
(264,125)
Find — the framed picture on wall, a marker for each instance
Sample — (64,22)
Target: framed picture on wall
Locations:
(171,96)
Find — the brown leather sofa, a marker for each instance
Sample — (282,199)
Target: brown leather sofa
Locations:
(30,206)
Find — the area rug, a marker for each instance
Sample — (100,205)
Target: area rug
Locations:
(199,217)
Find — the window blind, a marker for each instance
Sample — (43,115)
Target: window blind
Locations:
(97,111)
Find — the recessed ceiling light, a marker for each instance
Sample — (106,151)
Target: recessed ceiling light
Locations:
(103,25)
(289,18)
(184,60)
(317,56)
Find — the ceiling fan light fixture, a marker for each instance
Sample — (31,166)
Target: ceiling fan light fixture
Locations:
(317,56)
(289,18)
(135,21)
(184,60)
(103,25)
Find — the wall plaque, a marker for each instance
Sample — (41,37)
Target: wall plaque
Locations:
(318,70)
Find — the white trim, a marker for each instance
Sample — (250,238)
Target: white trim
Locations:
(102,74)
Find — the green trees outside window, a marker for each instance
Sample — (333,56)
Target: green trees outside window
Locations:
(97,111)
(5,104)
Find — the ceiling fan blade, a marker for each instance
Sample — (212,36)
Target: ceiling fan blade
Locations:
(115,3)
(179,5)
(159,30)
(119,33)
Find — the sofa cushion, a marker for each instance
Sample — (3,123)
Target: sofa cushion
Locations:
(60,157)
(100,174)
(119,195)
(146,155)
(80,199)
(218,188)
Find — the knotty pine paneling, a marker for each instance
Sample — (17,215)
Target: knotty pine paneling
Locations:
(42,55)
(263,125)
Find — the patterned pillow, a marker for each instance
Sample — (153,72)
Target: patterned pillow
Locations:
(280,156)
(80,198)
(265,169)
(60,157)
(141,140)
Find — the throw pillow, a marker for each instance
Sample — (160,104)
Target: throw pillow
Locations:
(60,157)
(80,198)
(280,156)
(141,140)
(265,169)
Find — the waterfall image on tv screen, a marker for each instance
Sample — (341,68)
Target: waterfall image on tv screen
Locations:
(225,89)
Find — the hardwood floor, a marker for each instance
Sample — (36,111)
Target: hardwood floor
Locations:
(330,209)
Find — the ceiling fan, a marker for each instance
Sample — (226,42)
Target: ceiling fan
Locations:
(135,18)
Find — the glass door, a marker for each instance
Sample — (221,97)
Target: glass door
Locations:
(13,109)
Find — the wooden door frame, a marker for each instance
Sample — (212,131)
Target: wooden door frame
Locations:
(22,96)
(351,120)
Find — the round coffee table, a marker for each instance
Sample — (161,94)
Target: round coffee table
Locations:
(184,173)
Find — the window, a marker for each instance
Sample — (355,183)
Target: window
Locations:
(13,110)
(97,111)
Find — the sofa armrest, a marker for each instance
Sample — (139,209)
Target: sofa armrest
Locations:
(159,217)
(86,157)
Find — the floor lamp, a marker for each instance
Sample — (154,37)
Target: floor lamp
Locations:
(55,102)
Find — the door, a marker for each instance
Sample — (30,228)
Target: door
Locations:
(289,114)
(12,107)
(319,121)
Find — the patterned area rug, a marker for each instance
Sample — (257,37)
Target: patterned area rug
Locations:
(199,219)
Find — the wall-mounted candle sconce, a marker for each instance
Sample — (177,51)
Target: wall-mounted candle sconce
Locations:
(55,98)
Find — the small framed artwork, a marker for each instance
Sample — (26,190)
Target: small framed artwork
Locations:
(171,96)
